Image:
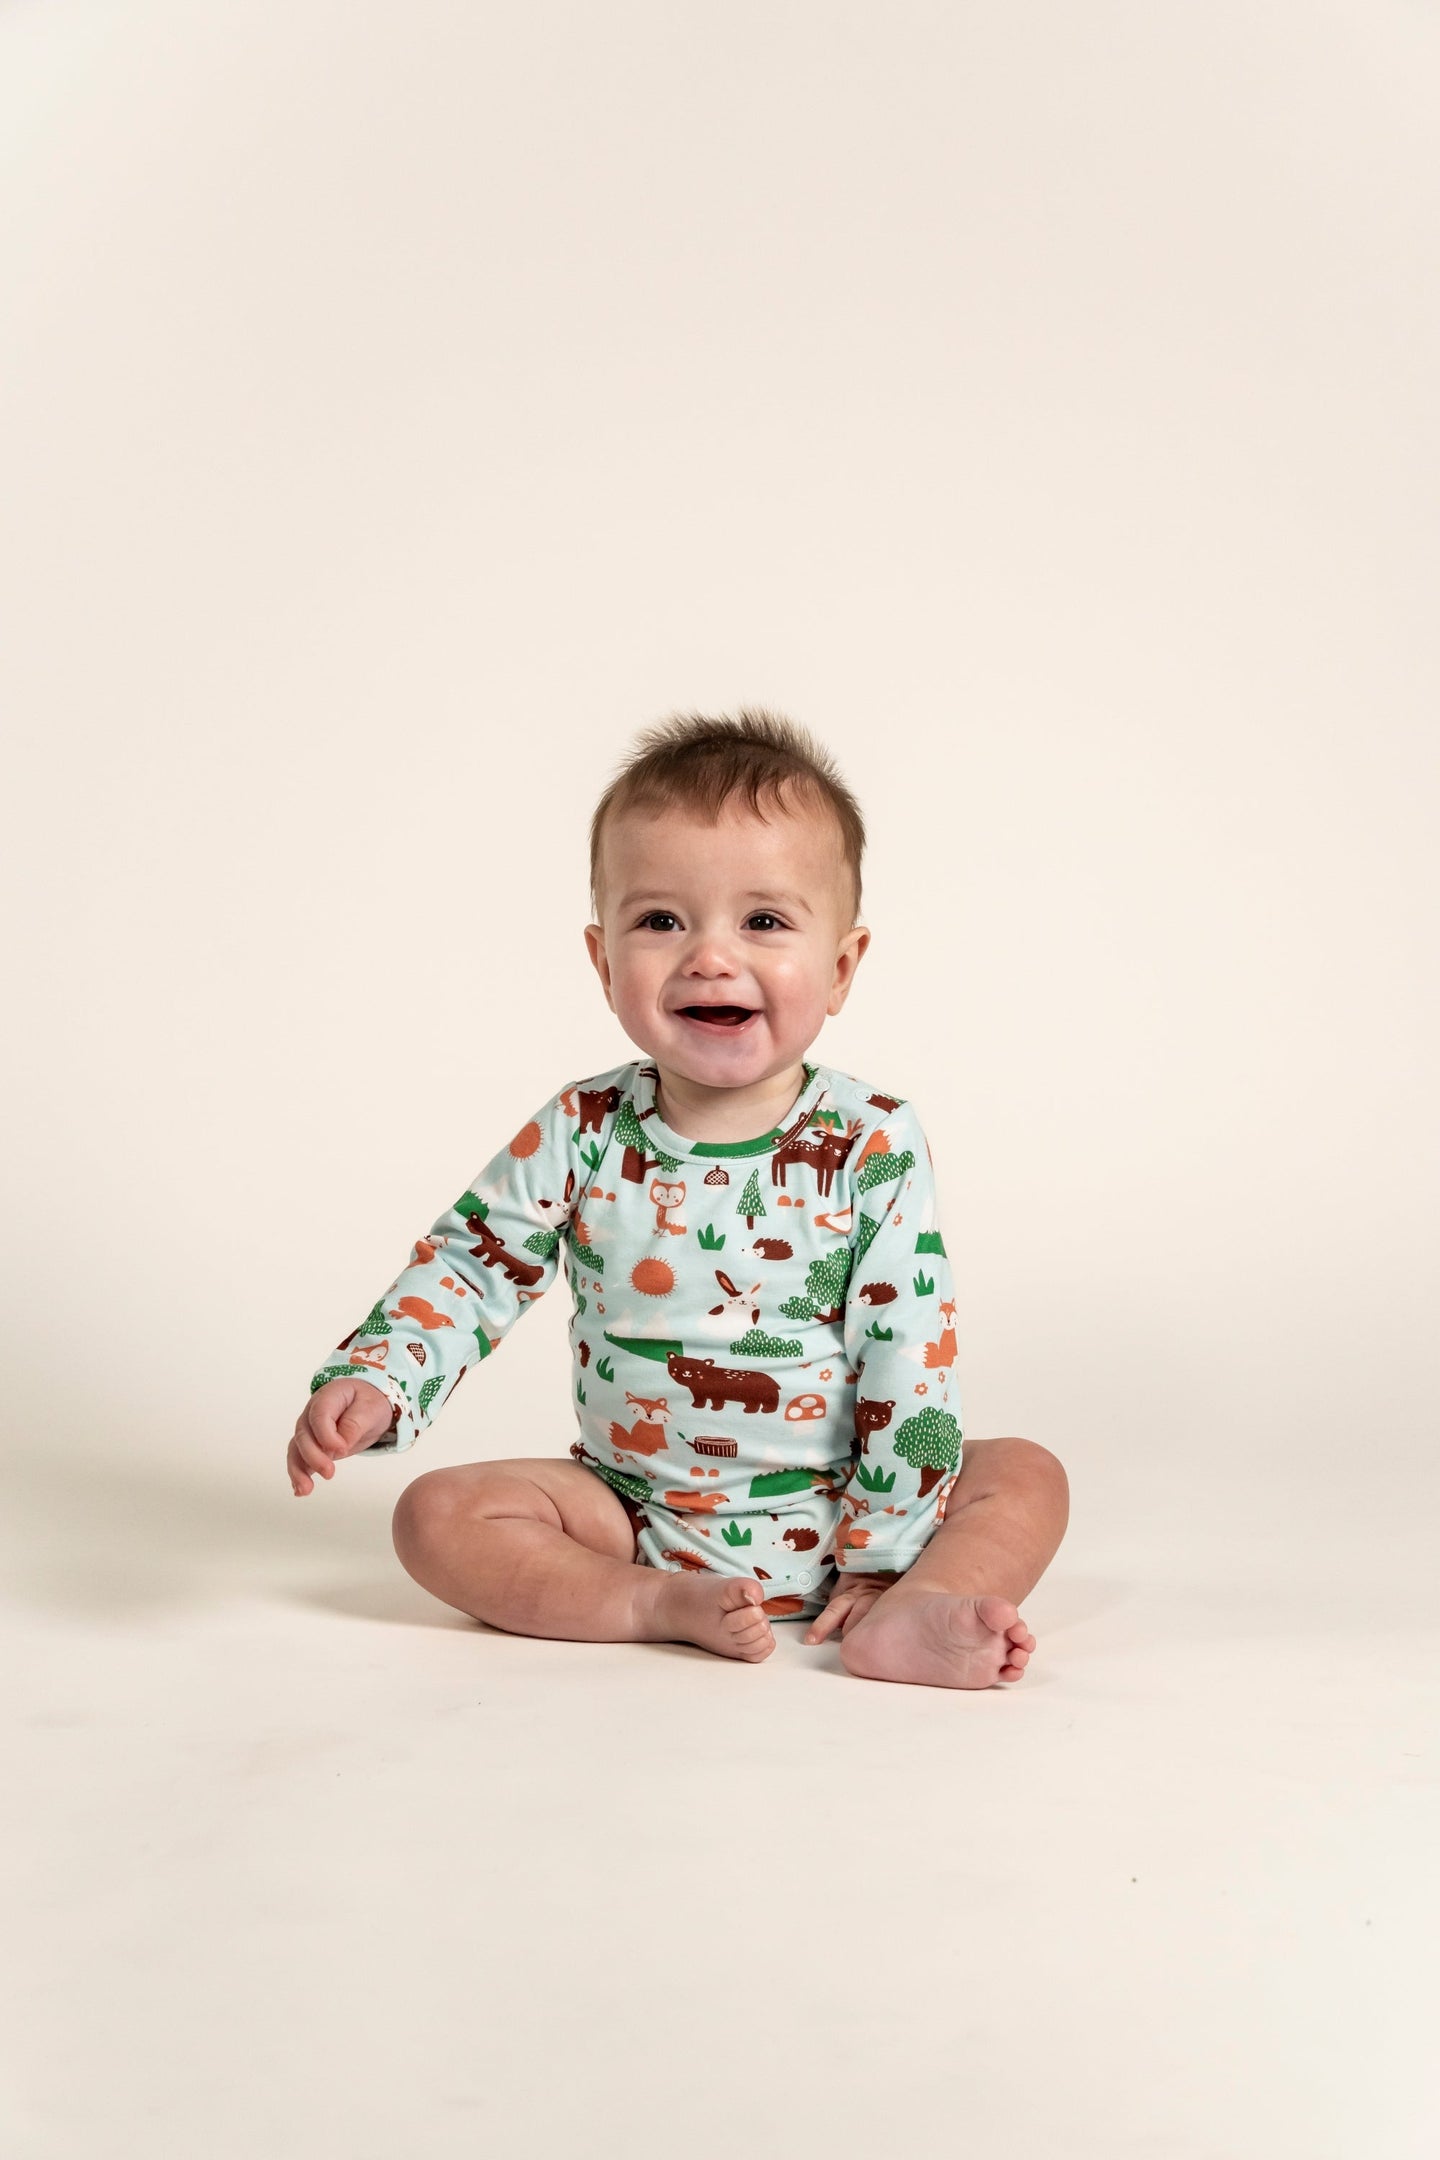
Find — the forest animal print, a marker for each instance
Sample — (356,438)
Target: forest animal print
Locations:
(763,1332)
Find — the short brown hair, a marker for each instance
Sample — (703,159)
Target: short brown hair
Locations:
(696,761)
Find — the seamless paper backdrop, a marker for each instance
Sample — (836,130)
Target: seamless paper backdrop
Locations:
(1038,407)
(402,406)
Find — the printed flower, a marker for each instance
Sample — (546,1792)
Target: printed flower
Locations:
(825,1373)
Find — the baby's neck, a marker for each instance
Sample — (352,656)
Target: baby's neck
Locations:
(724,1114)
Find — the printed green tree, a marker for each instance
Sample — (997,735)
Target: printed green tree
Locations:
(881,1168)
(475,1210)
(637,1159)
(751,1203)
(825,1282)
(755,1342)
(930,1443)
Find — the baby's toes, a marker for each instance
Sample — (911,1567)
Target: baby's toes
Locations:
(746,1625)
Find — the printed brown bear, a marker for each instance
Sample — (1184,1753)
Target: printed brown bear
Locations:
(871,1416)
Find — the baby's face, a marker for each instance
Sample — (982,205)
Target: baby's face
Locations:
(742,913)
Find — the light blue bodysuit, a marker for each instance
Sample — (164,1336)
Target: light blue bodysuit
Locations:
(763,1336)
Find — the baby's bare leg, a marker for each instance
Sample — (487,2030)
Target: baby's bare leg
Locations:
(952,1620)
(1003,1522)
(539,1546)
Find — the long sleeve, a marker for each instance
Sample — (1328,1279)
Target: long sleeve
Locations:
(481,1265)
(900,1339)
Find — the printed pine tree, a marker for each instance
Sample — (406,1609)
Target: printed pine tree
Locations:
(751,1203)
(637,1160)
(825,1282)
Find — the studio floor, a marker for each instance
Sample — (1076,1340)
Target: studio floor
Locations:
(300,1861)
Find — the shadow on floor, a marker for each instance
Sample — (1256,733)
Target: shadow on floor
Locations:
(90,1535)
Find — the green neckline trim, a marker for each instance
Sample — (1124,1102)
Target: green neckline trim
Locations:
(766,1140)
(738,1147)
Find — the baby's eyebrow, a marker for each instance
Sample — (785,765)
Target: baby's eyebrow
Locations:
(776,899)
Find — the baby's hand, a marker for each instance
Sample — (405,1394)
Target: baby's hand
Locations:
(851,1598)
(340,1418)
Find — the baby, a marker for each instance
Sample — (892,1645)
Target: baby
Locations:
(763,1336)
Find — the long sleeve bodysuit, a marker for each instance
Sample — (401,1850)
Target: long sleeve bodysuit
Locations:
(763,1336)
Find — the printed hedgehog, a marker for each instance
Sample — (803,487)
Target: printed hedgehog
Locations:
(876,1293)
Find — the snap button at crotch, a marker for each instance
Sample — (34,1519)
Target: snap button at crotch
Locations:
(804,1578)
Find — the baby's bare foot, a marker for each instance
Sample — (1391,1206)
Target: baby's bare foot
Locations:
(719,1612)
(938,1640)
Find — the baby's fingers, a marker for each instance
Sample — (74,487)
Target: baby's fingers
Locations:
(827,1621)
(306,1453)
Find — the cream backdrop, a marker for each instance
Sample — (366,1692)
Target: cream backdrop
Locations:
(403,405)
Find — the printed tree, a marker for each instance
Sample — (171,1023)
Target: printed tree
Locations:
(751,1203)
(881,1167)
(637,1159)
(825,1283)
(930,1443)
(638,1489)
(475,1211)
(756,1343)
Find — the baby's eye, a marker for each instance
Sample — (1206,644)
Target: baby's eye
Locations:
(664,915)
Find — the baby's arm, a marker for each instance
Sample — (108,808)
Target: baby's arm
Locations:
(481,1265)
(903,1349)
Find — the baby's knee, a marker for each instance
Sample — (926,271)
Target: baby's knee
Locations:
(1013,1461)
(1044,1474)
(432,1505)
(1040,1459)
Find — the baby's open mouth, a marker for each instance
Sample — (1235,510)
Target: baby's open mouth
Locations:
(717,1015)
